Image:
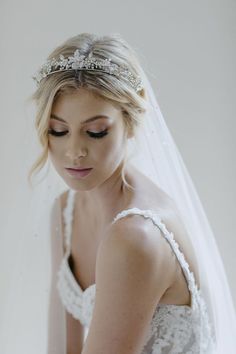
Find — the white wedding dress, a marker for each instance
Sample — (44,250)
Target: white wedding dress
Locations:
(174,328)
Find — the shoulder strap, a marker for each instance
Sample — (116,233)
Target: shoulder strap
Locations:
(170,238)
(68,218)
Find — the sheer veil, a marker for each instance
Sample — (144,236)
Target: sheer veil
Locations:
(166,167)
(32,317)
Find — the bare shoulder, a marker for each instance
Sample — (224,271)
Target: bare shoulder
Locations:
(129,285)
(63,201)
(63,198)
(170,216)
(152,197)
(56,209)
(137,240)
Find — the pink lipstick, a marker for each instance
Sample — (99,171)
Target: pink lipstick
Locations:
(78,173)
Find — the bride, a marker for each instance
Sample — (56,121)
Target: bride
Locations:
(129,241)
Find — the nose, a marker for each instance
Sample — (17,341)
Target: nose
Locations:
(75,150)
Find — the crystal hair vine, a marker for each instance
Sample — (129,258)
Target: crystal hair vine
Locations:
(89,63)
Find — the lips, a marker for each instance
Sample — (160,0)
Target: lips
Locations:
(79,169)
(78,173)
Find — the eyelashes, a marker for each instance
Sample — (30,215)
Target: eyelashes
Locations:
(93,135)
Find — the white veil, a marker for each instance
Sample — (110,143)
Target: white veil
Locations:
(32,317)
(165,166)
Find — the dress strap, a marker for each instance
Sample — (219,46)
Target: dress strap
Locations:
(68,219)
(175,247)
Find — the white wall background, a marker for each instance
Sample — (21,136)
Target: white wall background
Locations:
(189,46)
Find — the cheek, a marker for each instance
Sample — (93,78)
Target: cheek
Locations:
(111,150)
(55,152)
(55,147)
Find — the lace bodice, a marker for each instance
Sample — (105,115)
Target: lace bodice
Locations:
(173,329)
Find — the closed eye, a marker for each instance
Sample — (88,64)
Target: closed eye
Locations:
(92,134)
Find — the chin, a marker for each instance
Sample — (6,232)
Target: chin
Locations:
(80,185)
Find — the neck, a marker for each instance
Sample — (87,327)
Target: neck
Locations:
(108,199)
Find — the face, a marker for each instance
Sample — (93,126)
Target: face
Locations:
(86,131)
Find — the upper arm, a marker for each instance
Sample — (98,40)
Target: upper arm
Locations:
(129,284)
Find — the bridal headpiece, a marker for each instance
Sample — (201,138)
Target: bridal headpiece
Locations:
(155,154)
(89,63)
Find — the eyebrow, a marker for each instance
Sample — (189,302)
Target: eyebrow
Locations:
(53,116)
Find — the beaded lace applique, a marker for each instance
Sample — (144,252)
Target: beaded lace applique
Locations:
(173,329)
(78,303)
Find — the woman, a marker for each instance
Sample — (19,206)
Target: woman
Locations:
(125,267)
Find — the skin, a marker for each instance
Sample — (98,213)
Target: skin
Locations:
(97,248)
(103,187)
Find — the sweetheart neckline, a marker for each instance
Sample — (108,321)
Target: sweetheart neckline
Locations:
(76,283)
(147,213)
(93,286)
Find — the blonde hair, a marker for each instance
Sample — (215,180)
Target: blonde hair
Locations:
(106,86)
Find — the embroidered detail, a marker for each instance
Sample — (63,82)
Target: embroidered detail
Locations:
(173,329)
(177,329)
(78,303)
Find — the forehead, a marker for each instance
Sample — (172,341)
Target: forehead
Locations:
(82,104)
